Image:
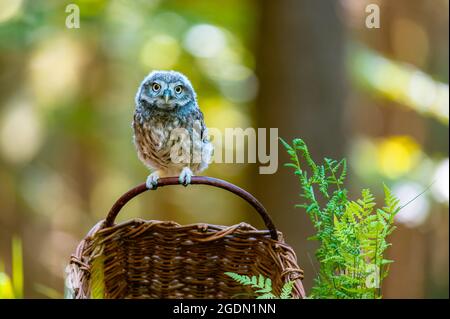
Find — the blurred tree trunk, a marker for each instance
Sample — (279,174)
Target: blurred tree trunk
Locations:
(302,91)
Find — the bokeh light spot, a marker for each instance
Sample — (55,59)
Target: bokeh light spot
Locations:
(169,22)
(440,188)
(422,91)
(397,155)
(416,212)
(55,70)
(20,133)
(9,9)
(160,52)
(222,114)
(205,41)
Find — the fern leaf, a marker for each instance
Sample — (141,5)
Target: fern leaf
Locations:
(286,291)
(392,203)
(285,144)
(265,285)
(291,165)
(242,279)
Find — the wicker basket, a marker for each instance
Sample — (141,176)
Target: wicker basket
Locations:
(162,259)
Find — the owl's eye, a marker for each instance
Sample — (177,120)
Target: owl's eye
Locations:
(178,89)
(156,87)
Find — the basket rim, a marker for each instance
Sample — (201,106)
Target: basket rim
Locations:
(176,225)
(216,231)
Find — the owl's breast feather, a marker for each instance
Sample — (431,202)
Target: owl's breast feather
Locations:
(155,132)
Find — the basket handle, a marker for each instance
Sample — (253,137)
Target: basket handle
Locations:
(196,180)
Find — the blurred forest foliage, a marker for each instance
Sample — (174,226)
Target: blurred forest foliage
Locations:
(379,97)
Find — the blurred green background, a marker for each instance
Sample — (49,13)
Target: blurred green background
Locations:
(378,97)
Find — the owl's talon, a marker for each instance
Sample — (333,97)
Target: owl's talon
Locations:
(185,176)
(152,181)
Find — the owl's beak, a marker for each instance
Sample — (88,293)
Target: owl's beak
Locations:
(166,96)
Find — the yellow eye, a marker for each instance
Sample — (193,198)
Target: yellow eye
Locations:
(178,89)
(156,87)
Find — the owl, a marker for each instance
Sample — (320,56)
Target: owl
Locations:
(170,134)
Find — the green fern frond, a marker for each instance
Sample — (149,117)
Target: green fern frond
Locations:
(286,291)
(352,234)
(242,279)
(262,285)
(392,204)
(285,144)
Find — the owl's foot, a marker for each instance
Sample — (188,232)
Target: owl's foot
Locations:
(152,180)
(185,176)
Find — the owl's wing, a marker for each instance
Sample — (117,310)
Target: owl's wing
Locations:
(202,146)
(199,125)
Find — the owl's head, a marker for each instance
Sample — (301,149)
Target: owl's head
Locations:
(166,90)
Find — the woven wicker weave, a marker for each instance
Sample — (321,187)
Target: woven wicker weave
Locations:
(160,259)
